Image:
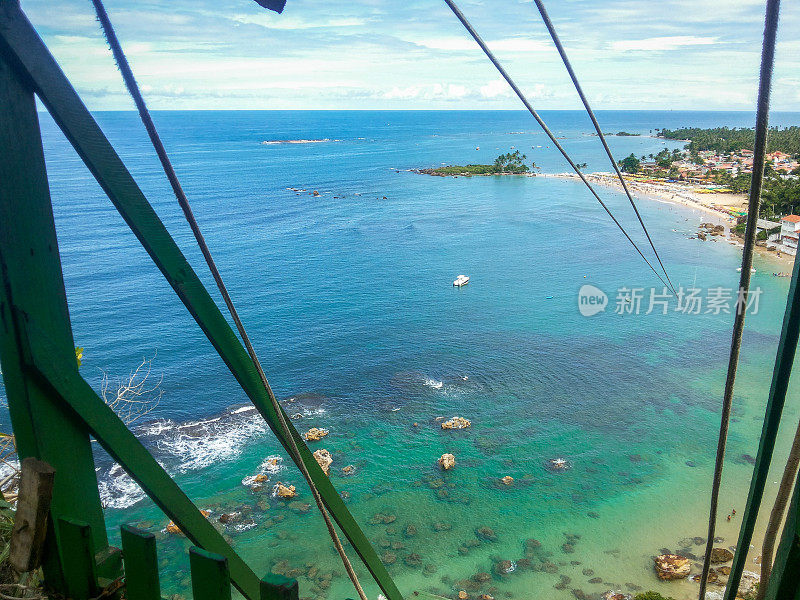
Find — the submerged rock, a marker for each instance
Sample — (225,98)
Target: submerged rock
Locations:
(614,595)
(413,560)
(383,518)
(486,533)
(721,555)
(410,531)
(456,423)
(447,461)
(672,566)
(503,567)
(226,518)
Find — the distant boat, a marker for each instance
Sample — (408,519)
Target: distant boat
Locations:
(461,280)
(739,269)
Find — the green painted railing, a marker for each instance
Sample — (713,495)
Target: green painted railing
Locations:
(210,573)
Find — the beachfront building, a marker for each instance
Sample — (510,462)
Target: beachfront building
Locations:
(790,230)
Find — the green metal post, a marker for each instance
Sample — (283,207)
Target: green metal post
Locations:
(784,580)
(784,360)
(77,558)
(210,578)
(129,452)
(278,587)
(32,287)
(141,564)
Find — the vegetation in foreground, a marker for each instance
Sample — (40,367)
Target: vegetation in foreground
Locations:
(511,163)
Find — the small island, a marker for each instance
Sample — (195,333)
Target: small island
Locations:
(511,163)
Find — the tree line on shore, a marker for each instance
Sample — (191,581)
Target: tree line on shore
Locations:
(724,140)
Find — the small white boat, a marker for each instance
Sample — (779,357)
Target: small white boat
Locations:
(461,280)
(739,269)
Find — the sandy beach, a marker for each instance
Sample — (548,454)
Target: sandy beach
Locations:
(719,206)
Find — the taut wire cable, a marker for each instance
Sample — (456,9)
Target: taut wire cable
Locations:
(552,30)
(144,113)
(457,12)
(754,203)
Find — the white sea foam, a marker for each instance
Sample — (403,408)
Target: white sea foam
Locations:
(244,525)
(202,443)
(270,466)
(433,383)
(119,490)
(156,427)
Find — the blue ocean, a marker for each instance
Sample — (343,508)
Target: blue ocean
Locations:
(341,260)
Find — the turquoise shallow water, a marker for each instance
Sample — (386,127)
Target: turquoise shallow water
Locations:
(349,299)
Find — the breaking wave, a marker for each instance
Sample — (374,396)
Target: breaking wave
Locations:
(181,447)
(433,383)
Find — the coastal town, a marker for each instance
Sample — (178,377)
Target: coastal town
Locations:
(711,165)
(711,173)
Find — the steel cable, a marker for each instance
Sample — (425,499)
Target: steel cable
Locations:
(457,12)
(754,203)
(552,30)
(133,89)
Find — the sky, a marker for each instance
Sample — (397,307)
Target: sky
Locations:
(414,54)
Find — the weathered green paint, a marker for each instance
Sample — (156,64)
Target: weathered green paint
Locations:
(77,558)
(210,578)
(784,580)
(19,39)
(122,445)
(278,587)
(32,288)
(141,564)
(787,348)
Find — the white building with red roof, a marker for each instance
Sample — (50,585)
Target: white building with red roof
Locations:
(790,231)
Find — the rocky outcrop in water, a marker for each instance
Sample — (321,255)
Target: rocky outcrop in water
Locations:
(324,459)
(285,491)
(672,566)
(173,528)
(315,434)
(447,461)
(507,480)
(456,423)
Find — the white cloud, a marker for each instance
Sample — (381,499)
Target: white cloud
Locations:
(495,88)
(274,21)
(436,91)
(517,44)
(663,43)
